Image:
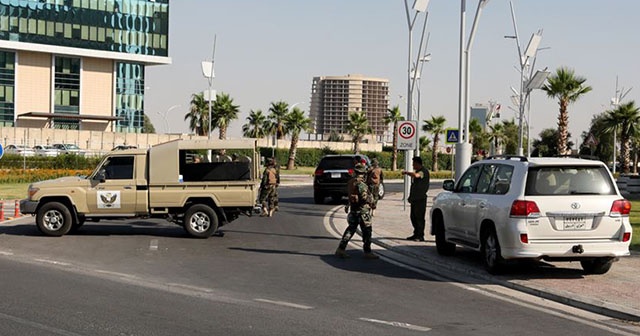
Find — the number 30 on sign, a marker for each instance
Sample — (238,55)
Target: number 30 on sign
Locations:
(406,135)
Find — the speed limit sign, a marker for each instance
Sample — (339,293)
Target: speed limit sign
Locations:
(407,135)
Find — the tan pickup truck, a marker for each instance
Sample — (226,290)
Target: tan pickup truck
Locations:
(185,181)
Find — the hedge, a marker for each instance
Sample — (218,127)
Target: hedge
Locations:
(35,175)
(66,161)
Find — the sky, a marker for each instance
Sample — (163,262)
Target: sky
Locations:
(268,51)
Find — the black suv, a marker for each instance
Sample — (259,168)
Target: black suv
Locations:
(333,173)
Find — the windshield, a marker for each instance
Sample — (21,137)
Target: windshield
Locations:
(565,180)
(70,146)
(340,162)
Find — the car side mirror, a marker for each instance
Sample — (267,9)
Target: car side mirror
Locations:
(101,176)
(448,185)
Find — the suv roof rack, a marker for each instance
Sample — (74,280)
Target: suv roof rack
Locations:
(507,157)
(579,156)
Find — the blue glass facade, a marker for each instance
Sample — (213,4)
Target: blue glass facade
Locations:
(128,26)
(130,97)
(7,87)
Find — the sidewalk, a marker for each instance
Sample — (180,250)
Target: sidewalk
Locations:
(615,294)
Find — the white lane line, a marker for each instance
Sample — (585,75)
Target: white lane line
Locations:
(37,325)
(285,304)
(153,245)
(52,262)
(397,324)
(6,253)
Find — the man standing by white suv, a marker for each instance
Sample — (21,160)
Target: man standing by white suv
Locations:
(418,198)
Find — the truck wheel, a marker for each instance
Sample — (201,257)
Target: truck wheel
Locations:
(200,221)
(443,247)
(491,251)
(54,219)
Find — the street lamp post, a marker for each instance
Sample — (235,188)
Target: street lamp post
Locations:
(209,74)
(164,117)
(463,147)
(418,7)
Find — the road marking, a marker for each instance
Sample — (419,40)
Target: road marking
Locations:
(153,245)
(37,325)
(397,324)
(52,262)
(6,253)
(285,304)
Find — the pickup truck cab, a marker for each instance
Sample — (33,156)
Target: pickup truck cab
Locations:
(164,181)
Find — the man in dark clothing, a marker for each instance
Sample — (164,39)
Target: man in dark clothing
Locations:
(418,198)
(359,215)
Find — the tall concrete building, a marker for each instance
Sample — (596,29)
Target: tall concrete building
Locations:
(79,64)
(334,97)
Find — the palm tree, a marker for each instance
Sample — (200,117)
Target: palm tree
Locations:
(295,122)
(394,117)
(435,126)
(224,111)
(255,127)
(624,119)
(198,115)
(497,137)
(358,127)
(423,144)
(565,86)
(277,112)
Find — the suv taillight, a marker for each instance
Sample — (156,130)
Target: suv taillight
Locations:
(620,207)
(351,171)
(319,172)
(524,209)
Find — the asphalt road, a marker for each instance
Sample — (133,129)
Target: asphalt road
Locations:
(266,276)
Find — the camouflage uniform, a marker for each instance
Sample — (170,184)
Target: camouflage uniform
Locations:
(275,191)
(359,215)
(374,178)
(268,189)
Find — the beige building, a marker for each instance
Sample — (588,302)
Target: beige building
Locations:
(79,65)
(334,97)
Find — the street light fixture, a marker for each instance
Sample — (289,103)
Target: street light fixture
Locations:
(209,74)
(419,6)
(164,117)
(463,147)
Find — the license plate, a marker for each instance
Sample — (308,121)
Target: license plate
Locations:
(575,223)
(335,175)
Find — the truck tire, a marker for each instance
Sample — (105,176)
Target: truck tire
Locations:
(318,197)
(54,219)
(597,265)
(200,221)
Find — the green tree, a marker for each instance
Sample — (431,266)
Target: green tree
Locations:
(497,137)
(148,125)
(198,115)
(255,127)
(358,127)
(510,142)
(603,149)
(295,122)
(565,86)
(224,111)
(479,138)
(423,144)
(277,112)
(436,127)
(394,117)
(546,146)
(625,119)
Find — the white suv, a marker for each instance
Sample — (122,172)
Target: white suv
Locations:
(556,209)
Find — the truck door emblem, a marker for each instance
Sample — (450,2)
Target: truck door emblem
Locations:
(108,200)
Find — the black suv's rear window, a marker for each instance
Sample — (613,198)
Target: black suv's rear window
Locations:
(339,162)
(569,180)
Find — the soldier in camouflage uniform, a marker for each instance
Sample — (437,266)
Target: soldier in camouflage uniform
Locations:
(374,178)
(275,191)
(359,215)
(268,188)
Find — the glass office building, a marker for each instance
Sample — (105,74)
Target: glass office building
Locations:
(79,64)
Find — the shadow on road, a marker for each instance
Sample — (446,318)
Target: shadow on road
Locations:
(356,263)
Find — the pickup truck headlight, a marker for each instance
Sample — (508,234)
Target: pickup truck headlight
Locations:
(31,191)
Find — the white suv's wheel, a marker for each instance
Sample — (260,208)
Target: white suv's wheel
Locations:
(491,252)
(597,266)
(443,247)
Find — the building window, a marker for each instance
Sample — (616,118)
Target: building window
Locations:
(130,97)
(66,91)
(82,24)
(7,88)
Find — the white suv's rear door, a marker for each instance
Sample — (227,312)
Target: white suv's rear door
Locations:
(575,203)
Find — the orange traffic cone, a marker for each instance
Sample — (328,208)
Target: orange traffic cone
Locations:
(1,211)
(16,212)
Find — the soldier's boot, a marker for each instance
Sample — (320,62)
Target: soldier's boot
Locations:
(276,208)
(371,256)
(342,253)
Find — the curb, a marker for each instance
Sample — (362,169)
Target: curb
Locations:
(580,302)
